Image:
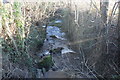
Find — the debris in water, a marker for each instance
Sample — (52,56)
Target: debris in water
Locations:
(43,26)
(57,50)
(66,50)
(53,36)
(47,53)
(58,21)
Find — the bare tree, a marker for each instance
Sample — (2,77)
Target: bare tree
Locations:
(104,9)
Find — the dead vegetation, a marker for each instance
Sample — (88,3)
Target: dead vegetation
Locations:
(22,36)
(93,35)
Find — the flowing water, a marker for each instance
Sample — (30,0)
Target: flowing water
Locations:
(56,39)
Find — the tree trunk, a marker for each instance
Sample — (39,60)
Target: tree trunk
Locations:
(118,27)
(104,9)
(1,46)
(102,47)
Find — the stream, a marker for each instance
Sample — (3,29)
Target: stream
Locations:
(55,39)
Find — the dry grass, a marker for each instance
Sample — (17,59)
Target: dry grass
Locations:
(19,32)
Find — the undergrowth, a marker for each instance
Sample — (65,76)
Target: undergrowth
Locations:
(22,37)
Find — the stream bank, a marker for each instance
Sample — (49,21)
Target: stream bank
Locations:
(55,47)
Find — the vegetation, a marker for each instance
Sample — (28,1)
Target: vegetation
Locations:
(21,36)
(46,63)
(93,32)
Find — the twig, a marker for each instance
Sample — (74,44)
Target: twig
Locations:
(115,64)
(113,44)
(114,68)
(10,35)
(91,71)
